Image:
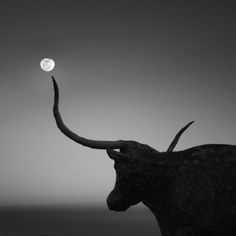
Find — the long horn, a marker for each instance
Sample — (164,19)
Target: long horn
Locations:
(176,139)
(83,141)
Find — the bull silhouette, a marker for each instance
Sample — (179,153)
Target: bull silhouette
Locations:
(191,192)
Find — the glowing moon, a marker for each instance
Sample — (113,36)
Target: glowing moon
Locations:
(47,64)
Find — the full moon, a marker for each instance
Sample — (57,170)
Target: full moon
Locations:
(47,64)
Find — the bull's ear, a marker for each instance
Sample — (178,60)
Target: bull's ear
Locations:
(116,156)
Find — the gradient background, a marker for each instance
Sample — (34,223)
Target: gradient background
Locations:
(135,70)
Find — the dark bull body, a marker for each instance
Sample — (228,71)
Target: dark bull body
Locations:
(190,192)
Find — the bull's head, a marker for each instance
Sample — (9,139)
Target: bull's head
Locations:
(134,163)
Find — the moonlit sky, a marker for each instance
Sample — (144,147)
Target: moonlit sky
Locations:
(137,70)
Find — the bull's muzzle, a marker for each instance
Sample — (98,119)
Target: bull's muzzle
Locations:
(116,203)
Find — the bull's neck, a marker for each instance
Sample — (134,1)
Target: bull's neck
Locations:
(156,198)
(156,194)
(157,202)
(158,205)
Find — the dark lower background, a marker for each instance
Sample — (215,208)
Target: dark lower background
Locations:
(76,221)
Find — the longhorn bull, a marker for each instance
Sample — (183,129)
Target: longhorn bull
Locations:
(190,192)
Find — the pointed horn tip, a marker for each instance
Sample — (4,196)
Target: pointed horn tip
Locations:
(176,139)
(190,123)
(185,127)
(53,79)
(54,84)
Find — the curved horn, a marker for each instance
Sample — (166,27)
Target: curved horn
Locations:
(83,141)
(176,139)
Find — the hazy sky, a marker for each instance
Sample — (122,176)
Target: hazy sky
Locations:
(135,70)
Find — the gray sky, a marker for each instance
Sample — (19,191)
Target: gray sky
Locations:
(135,70)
